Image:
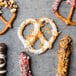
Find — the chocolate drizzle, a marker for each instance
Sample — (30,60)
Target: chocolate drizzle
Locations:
(64,52)
(3,52)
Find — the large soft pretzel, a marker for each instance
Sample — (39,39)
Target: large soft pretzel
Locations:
(11,5)
(68,20)
(29,41)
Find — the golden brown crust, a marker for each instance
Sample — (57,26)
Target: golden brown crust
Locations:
(65,49)
(8,24)
(13,7)
(68,20)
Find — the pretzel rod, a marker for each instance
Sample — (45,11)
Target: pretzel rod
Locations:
(64,52)
(24,62)
(3,52)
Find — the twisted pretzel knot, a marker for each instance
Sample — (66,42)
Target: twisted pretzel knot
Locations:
(36,33)
(68,20)
(8,24)
(11,5)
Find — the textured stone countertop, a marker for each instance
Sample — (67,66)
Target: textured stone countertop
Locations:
(45,64)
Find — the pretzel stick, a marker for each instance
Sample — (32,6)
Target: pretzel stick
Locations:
(64,52)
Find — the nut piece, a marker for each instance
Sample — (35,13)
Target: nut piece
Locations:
(15,6)
(12,2)
(13,10)
(8,4)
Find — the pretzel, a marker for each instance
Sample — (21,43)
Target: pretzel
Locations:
(68,20)
(3,52)
(11,5)
(29,41)
(64,52)
(24,62)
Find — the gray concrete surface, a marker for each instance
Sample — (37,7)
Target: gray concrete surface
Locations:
(45,64)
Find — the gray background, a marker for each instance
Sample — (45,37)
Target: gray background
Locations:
(45,64)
